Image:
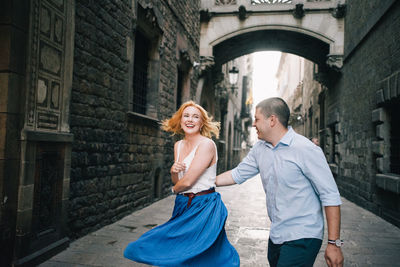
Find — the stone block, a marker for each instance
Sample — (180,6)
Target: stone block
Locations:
(378,147)
(381,131)
(378,115)
(25,197)
(379,97)
(388,182)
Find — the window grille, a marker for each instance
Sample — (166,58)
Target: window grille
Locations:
(140,77)
(179,89)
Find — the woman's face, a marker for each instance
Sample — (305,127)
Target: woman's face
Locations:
(191,120)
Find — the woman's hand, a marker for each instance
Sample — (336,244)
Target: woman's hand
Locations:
(177,167)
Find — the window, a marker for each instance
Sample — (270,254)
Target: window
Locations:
(179,89)
(145,65)
(394,140)
(140,76)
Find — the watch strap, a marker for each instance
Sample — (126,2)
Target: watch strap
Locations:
(337,242)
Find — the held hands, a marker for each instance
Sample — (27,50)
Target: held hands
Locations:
(177,167)
(333,256)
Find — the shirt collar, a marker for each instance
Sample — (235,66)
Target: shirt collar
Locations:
(288,137)
(285,140)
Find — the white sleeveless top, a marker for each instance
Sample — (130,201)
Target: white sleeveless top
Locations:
(207,179)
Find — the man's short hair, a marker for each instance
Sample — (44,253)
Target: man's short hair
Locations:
(275,106)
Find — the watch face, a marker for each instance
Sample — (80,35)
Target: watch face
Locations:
(338,243)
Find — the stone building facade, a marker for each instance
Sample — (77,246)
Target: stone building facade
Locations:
(357,106)
(236,119)
(362,109)
(84,86)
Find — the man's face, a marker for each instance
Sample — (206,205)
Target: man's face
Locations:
(262,125)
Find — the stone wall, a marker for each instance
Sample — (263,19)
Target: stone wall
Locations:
(121,160)
(372,55)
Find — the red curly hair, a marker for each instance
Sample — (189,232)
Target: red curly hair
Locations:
(208,129)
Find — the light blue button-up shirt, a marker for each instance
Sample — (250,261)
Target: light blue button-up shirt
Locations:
(297,182)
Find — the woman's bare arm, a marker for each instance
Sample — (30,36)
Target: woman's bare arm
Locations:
(177,166)
(202,159)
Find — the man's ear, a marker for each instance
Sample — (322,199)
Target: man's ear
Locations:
(274,120)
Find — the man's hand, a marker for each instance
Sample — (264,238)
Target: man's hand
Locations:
(333,256)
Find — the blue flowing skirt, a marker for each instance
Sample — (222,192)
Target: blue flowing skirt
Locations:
(194,236)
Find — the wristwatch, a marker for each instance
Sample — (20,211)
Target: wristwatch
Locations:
(336,242)
(172,190)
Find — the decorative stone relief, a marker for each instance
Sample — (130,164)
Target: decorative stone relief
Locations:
(50,59)
(42,92)
(58,29)
(58,3)
(45,21)
(206,64)
(46,64)
(335,61)
(55,92)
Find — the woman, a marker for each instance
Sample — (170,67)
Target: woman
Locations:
(195,234)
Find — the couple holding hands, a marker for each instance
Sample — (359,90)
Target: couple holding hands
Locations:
(296,179)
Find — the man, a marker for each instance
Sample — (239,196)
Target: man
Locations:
(297,182)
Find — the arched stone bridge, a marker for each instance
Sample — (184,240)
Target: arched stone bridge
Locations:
(313,29)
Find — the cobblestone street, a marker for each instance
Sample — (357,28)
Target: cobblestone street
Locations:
(369,240)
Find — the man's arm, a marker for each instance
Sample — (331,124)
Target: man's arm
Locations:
(333,254)
(225,179)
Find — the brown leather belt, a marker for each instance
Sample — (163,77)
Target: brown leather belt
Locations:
(193,195)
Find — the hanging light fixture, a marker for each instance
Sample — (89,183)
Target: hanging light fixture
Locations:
(233,77)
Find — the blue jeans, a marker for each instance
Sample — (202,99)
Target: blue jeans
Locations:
(299,253)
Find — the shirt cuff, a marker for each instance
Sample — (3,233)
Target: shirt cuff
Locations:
(236,177)
(331,200)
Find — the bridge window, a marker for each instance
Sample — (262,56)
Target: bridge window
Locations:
(258,2)
(225,2)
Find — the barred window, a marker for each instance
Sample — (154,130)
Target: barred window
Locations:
(140,76)
(145,64)
(179,90)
